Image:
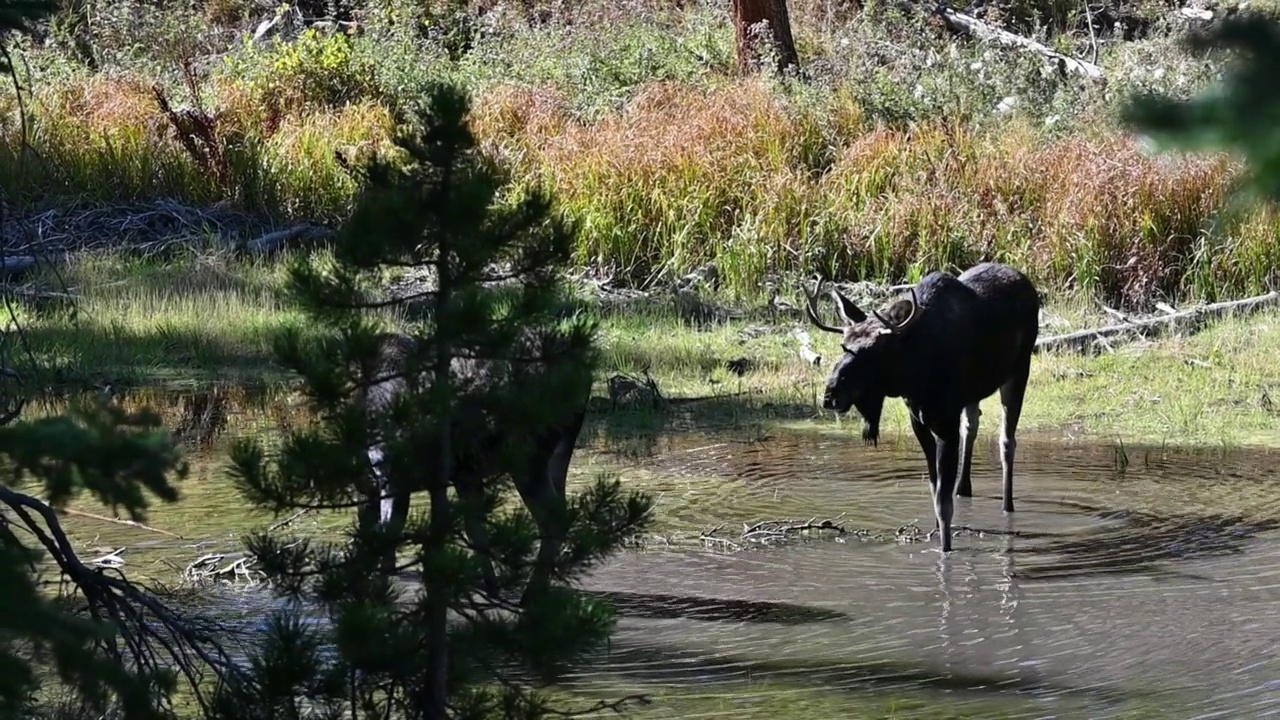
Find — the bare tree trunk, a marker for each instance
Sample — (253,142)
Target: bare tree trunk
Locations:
(747,18)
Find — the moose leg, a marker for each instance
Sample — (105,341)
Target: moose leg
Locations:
(545,496)
(927,444)
(472,506)
(395,512)
(388,508)
(1011,396)
(968,428)
(946,430)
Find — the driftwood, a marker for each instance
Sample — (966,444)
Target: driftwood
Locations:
(121,521)
(969,25)
(216,567)
(1085,340)
(109,560)
(806,347)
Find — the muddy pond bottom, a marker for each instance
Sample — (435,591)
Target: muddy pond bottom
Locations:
(1142,584)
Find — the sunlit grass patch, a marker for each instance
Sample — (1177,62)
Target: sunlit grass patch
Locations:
(848,690)
(203,318)
(107,140)
(761,181)
(1218,386)
(194,318)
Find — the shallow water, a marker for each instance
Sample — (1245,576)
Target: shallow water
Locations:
(1106,591)
(1125,581)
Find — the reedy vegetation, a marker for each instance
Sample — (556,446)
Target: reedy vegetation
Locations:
(889,161)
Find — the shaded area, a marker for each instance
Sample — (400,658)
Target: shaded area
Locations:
(689,607)
(162,356)
(668,664)
(1142,541)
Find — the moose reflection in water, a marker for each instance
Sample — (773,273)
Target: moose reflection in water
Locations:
(961,340)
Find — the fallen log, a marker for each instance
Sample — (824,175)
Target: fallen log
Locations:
(292,237)
(967,24)
(15,266)
(1085,340)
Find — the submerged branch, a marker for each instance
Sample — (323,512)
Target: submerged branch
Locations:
(145,625)
(121,521)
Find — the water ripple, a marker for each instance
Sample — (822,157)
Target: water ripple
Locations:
(1122,582)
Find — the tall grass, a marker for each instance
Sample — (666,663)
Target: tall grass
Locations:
(885,165)
(759,182)
(105,138)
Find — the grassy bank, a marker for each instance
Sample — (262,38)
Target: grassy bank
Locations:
(897,154)
(203,319)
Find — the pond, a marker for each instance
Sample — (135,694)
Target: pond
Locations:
(1112,589)
(1134,582)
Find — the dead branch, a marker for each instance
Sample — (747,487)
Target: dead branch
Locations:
(1085,340)
(110,560)
(806,347)
(772,532)
(289,520)
(709,539)
(1115,313)
(967,24)
(625,387)
(144,227)
(149,634)
(121,521)
(218,566)
(776,531)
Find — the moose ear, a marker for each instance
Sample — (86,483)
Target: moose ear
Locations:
(848,311)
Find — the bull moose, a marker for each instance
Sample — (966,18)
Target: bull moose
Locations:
(541,485)
(948,345)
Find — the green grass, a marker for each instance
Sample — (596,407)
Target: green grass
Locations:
(201,319)
(196,318)
(1218,386)
(778,696)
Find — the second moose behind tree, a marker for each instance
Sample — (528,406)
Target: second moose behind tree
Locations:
(948,345)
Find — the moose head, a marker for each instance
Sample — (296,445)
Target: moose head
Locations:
(865,373)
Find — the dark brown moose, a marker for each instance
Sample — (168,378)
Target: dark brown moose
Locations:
(541,486)
(943,349)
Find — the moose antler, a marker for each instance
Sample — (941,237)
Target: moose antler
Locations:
(811,308)
(897,327)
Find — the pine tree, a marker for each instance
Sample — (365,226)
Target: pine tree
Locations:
(463,644)
(95,647)
(1240,112)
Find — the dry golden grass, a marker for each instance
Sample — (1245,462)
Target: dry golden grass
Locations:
(738,175)
(105,138)
(733,171)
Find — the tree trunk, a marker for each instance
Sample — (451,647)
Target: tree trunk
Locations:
(747,16)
